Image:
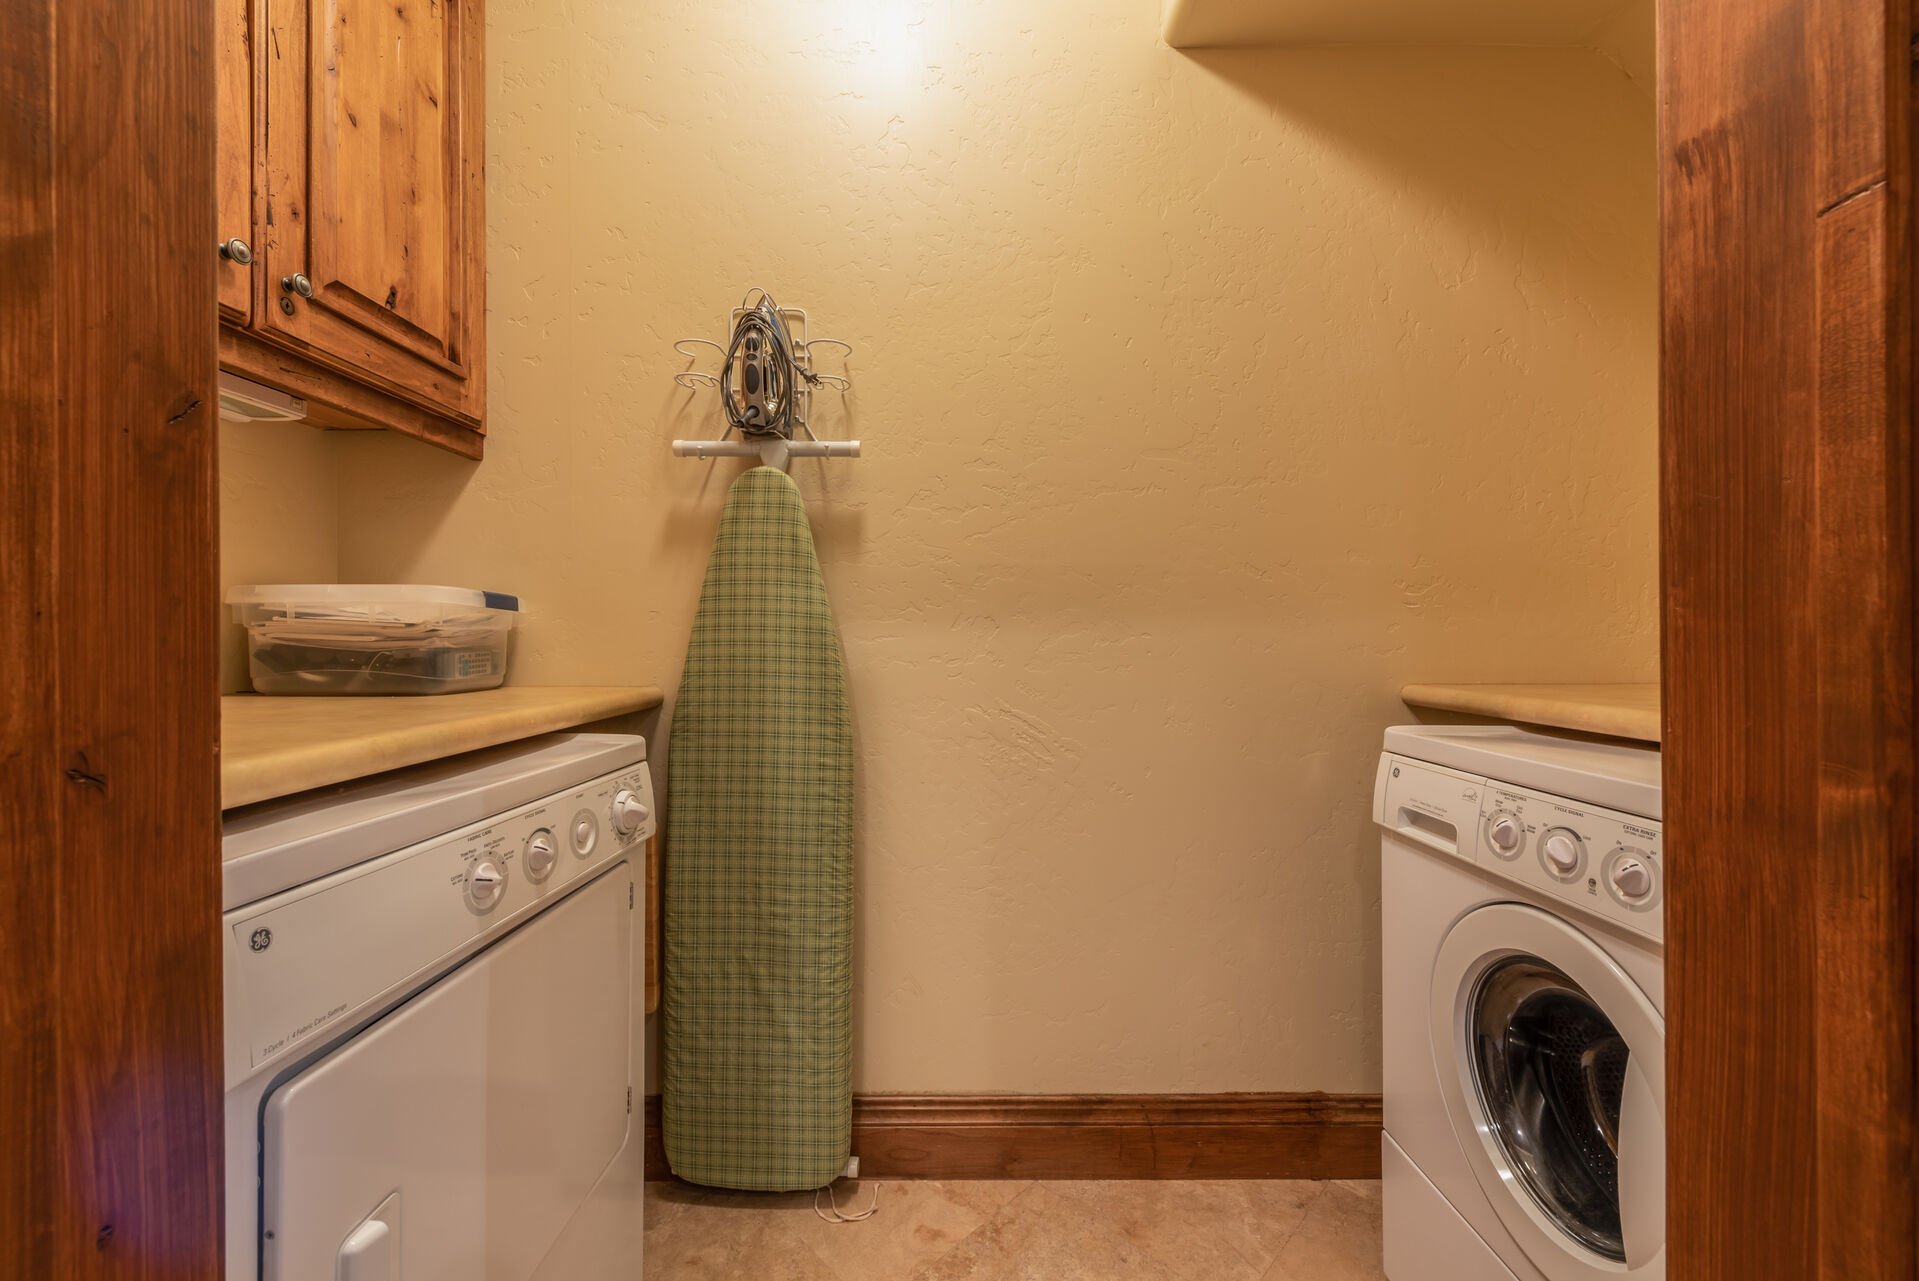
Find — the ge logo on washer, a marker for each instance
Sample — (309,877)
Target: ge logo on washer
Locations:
(262,939)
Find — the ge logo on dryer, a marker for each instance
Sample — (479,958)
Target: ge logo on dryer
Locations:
(262,939)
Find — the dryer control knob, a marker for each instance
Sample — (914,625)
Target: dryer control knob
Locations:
(1632,878)
(1562,851)
(485,882)
(540,854)
(1505,833)
(628,813)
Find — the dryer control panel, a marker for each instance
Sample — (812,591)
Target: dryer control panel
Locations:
(307,963)
(1603,861)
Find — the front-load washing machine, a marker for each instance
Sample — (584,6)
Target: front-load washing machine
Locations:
(429,1021)
(1523,972)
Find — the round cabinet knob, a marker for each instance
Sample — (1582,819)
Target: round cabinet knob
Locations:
(1505,833)
(485,883)
(628,813)
(541,853)
(1632,878)
(1562,852)
(297,283)
(236,250)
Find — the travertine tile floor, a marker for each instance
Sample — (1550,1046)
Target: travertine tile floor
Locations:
(1007,1231)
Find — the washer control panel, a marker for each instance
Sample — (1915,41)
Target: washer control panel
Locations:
(1603,861)
(312,959)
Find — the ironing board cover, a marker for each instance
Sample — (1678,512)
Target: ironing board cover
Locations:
(757,1046)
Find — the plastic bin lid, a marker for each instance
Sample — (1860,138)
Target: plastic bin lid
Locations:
(364,593)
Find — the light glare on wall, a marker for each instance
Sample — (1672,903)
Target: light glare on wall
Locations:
(886,35)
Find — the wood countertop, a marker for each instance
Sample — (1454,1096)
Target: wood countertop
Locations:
(278,746)
(1619,711)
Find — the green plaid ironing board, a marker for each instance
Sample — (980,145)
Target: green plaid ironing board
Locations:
(757,1043)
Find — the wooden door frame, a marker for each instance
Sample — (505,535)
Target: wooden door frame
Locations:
(1788,567)
(110,1048)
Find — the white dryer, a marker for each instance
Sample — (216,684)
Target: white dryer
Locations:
(1523,972)
(429,1021)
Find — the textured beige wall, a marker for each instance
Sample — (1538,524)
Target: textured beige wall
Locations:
(1208,398)
(1198,23)
(279,519)
(1630,41)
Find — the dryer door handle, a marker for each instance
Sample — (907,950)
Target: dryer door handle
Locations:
(371,1252)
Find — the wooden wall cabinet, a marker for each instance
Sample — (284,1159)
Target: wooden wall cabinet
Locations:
(350,161)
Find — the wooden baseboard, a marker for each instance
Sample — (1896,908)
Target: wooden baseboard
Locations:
(1103,1136)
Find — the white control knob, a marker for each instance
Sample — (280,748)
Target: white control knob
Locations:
(485,882)
(1562,852)
(628,813)
(1505,833)
(1632,878)
(540,854)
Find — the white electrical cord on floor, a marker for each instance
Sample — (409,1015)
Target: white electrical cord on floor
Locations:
(840,1216)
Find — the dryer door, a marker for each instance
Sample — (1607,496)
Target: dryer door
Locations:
(453,1139)
(1551,1063)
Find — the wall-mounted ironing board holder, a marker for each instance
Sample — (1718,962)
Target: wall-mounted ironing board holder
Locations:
(772,451)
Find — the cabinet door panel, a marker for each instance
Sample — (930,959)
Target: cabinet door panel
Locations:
(374,180)
(235,157)
(383,201)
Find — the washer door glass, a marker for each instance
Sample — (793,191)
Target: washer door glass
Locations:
(1550,1069)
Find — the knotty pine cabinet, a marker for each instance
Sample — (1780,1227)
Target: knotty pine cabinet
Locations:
(350,170)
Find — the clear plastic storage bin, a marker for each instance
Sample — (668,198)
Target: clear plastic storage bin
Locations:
(358,638)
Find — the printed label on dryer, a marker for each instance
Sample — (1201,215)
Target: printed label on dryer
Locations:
(305,1030)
